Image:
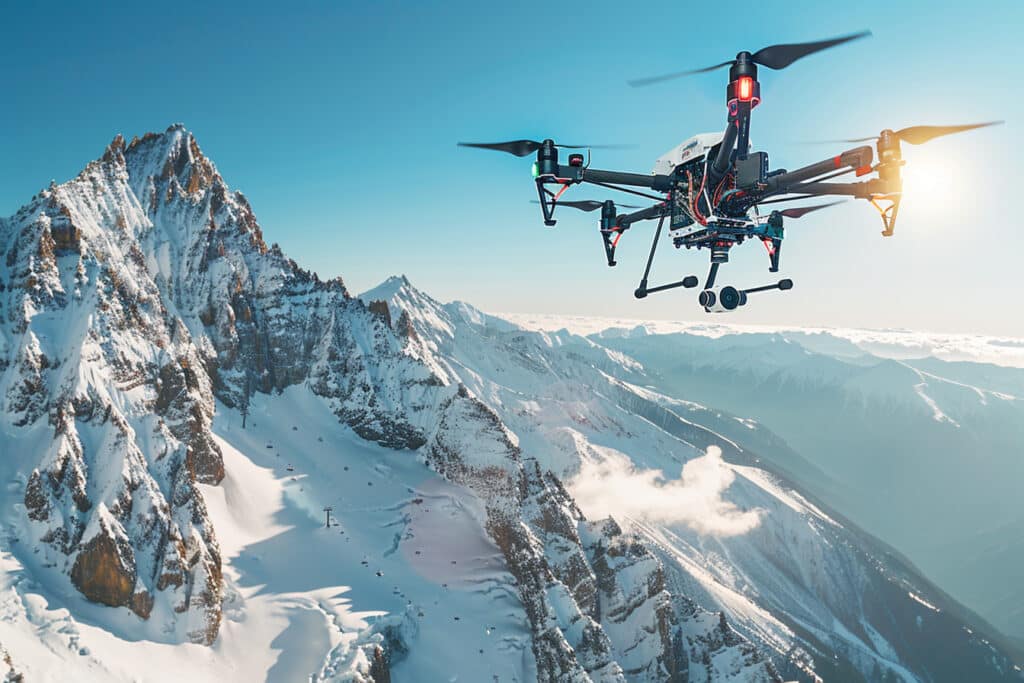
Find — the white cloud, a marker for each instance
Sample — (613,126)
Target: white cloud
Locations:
(614,487)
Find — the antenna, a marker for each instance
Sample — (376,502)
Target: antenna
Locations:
(328,509)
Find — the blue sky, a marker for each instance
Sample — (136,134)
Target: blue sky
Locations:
(339,122)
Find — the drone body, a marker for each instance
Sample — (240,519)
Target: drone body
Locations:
(711,187)
(690,150)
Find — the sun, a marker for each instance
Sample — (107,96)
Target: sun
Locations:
(929,185)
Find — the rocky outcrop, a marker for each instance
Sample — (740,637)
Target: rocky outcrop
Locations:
(104,570)
(12,675)
(380,309)
(379,671)
(630,587)
(485,460)
(188,419)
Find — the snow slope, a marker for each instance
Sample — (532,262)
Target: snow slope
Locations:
(406,553)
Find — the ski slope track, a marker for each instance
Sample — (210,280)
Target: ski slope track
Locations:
(180,403)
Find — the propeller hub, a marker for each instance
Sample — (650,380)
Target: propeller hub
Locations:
(608,215)
(890,156)
(547,158)
(743,66)
(888,146)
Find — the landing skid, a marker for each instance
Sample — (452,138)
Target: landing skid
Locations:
(713,299)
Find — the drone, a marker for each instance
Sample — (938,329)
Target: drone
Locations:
(711,187)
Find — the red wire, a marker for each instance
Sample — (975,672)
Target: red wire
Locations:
(721,186)
(696,204)
(689,192)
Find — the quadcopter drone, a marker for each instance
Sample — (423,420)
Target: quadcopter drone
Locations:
(712,185)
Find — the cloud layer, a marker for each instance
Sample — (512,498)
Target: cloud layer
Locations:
(614,487)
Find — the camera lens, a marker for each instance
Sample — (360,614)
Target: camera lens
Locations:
(729,297)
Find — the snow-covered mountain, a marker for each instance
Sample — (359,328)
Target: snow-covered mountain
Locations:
(801,580)
(842,341)
(926,454)
(179,404)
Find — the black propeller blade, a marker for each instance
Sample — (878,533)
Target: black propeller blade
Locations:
(780,56)
(589,205)
(522,148)
(918,135)
(773,57)
(798,211)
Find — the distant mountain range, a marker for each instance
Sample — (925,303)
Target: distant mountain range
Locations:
(219,466)
(926,453)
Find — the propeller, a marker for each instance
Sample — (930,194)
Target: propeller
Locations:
(798,211)
(918,135)
(522,148)
(589,205)
(773,57)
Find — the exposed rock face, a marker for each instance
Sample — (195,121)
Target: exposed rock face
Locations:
(105,569)
(630,583)
(487,462)
(13,675)
(380,308)
(379,671)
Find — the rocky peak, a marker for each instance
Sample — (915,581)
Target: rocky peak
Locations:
(173,153)
(114,153)
(396,291)
(113,500)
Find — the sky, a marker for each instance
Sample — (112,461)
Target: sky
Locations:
(339,121)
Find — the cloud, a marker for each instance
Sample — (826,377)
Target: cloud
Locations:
(614,487)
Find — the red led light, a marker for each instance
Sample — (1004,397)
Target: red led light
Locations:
(745,88)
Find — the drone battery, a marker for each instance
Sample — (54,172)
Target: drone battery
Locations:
(752,170)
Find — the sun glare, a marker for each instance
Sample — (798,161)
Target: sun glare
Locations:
(929,184)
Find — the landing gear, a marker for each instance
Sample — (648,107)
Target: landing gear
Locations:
(714,299)
(781,285)
(690,281)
